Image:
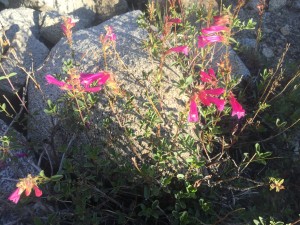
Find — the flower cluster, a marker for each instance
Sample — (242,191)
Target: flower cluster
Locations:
(211,34)
(84,83)
(212,96)
(25,184)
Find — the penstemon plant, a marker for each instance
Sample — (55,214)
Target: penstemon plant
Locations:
(183,161)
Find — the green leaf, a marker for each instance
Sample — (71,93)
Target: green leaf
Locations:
(155,204)
(56,177)
(42,174)
(8,76)
(37,221)
(146,192)
(183,217)
(180,176)
(189,80)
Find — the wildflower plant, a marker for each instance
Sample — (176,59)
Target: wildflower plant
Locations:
(182,161)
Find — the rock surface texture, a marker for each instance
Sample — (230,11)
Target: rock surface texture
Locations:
(280,26)
(20,46)
(83,9)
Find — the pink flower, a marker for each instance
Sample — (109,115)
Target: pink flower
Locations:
(206,97)
(25,184)
(237,109)
(219,103)
(37,191)
(15,196)
(209,77)
(179,49)
(86,79)
(221,20)
(110,35)
(52,80)
(214,29)
(205,40)
(174,20)
(67,26)
(193,114)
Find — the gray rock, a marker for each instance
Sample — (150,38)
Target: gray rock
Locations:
(88,53)
(5,2)
(277,4)
(20,30)
(248,43)
(14,167)
(285,30)
(296,5)
(50,25)
(252,5)
(83,9)
(268,52)
(109,8)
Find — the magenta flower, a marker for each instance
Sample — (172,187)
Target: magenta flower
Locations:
(237,109)
(174,20)
(179,49)
(15,196)
(205,40)
(110,35)
(85,79)
(193,114)
(209,77)
(67,26)
(63,85)
(221,20)
(25,184)
(207,97)
(214,29)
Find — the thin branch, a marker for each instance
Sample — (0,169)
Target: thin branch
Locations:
(228,214)
(63,156)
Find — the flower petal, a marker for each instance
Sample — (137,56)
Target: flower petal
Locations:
(217,91)
(193,114)
(38,192)
(52,80)
(15,196)
(214,29)
(237,108)
(179,49)
(220,103)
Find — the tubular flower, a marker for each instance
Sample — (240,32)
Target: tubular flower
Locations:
(214,29)
(205,40)
(206,97)
(237,109)
(110,35)
(174,20)
(209,77)
(193,114)
(221,20)
(86,80)
(180,49)
(25,184)
(67,25)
